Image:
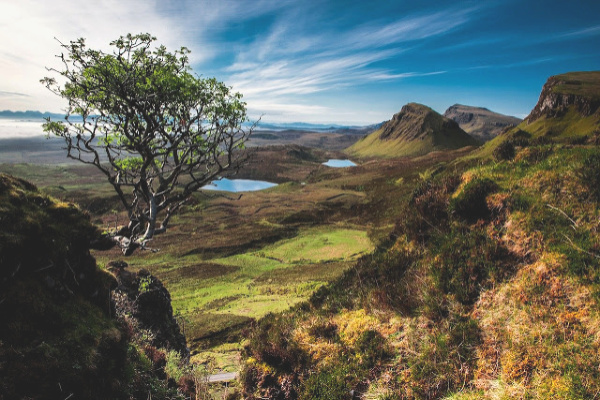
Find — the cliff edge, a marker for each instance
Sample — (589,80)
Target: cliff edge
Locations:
(580,90)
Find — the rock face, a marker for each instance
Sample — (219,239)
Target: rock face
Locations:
(580,90)
(415,130)
(416,122)
(143,302)
(479,122)
(58,334)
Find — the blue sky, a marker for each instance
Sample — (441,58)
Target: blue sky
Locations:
(348,62)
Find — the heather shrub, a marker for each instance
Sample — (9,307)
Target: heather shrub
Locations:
(520,138)
(504,151)
(470,203)
(589,174)
(328,384)
(271,343)
(372,348)
(467,261)
(534,154)
(430,201)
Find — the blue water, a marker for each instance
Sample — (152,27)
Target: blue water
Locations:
(238,185)
(339,163)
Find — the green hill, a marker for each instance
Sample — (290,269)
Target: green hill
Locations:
(414,131)
(568,111)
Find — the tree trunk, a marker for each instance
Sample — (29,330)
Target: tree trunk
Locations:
(151,227)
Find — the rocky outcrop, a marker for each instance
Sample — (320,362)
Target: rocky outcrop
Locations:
(481,123)
(416,121)
(142,301)
(58,334)
(580,90)
(54,302)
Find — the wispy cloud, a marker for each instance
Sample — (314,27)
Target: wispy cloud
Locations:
(30,26)
(291,60)
(590,31)
(12,94)
(407,29)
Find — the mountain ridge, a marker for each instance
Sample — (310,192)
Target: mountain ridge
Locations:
(480,122)
(415,130)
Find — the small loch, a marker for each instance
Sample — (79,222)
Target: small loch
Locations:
(238,185)
(334,163)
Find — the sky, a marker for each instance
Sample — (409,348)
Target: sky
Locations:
(323,61)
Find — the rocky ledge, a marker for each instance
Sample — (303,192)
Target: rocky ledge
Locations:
(575,89)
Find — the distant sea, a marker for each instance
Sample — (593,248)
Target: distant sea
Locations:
(24,141)
(13,128)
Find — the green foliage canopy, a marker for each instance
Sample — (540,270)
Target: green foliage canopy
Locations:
(157,131)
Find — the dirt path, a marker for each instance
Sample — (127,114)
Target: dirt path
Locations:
(224,377)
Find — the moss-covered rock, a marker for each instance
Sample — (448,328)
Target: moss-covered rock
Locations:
(58,335)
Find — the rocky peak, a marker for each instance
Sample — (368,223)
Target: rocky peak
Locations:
(416,121)
(414,131)
(575,89)
(479,122)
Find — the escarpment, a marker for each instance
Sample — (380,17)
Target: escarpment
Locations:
(575,89)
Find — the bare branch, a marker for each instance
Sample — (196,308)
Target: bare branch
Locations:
(157,132)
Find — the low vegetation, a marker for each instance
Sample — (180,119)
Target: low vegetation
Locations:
(486,288)
(58,338)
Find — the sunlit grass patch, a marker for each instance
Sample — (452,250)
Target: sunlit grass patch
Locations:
(312,246)
(214,297)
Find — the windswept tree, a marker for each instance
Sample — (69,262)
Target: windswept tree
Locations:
(156,131)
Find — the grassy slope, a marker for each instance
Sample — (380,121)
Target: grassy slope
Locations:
(567,128)
(502,306)
(372,146)
(584,83)
(57,337)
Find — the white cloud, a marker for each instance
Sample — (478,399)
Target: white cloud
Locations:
(284,109)
(290,60)
(383,76)
(590,31)
(29,29)
(406,29)
(294,56)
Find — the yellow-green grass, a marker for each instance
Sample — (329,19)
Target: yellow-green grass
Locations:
(583,83)
(246,286)
(571,125)
(374,146)
(219,297)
